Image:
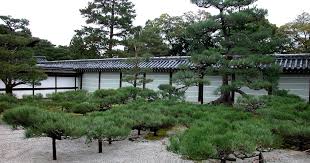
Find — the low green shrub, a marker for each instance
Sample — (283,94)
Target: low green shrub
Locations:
(8,98)
(249,103)
(83,108)
(4,106)
(25,116)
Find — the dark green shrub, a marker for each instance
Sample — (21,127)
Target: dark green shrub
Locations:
(4,106)
(25,116)
(250,103)
(148,95)
(103,93)
(169,92)
(8,98)
(83,108)
(71,96)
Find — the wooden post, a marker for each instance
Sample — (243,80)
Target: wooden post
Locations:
(170,78)
(309,92)
(200,90)
(233,94)
(55,83)
(261,158)
(100,145)
(33,89)
(75,82)
(99,82)
(144,78)
(81,81)
(54,149)
(120,79)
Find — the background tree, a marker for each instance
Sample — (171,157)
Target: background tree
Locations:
(298,32)
(172,30)
(17,65)
(52,52)
(110,23)
(243,38)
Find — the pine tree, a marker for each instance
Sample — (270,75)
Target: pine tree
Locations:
(243,39)
(17,65)
(110,23)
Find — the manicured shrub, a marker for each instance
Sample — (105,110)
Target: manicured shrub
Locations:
(169,92)
(25,116)
(104,93)
(72,96)
(83,108)
(250,103)
(108,127)
(4,106)
(8,98)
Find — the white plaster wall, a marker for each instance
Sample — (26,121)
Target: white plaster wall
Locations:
(158,79)
(2,86)
(191,94)
(90,81)
(295,84)
(209,91)
(65,82)
(110,80)
(49,82)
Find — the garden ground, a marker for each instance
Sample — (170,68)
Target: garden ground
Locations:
(14,148)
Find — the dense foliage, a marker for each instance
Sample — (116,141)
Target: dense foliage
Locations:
(17,65)
(211,131)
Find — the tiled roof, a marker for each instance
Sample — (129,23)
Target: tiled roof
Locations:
(288,62)
(294,62)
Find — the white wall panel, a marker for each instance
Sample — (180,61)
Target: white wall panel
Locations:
(295,84)
(90,81)
(158,79)
(191,94)
(20,94)
(47,83)
(110,80)
(65,82)
(2,86)
(209,91)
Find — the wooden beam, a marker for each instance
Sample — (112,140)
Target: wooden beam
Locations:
(99,82)
(75,83)
(33,89)
(170,77)
(144,78)
(55,83)
(81,81)
(120,79)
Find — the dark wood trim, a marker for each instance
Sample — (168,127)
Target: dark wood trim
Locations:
(75,83)
(120,79)
(144,78)
(233,93)
(81,81)
(55,83)
(309,92)
(200,90)
(33,93)
(99,82)
(170,77)
(36,89)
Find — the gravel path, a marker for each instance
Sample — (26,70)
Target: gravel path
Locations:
(15,149)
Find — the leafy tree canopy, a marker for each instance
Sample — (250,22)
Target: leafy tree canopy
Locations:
(16,54)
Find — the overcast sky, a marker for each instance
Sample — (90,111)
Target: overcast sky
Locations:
(56,20)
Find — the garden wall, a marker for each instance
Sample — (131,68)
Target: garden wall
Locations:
(294,83)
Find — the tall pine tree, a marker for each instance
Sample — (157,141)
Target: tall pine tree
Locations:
(110,22)
(243,38)
(17,65)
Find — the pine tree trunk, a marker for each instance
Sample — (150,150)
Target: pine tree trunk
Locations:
(261,158)
(54,149)
(139,131)
(9,89)
(100,145)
